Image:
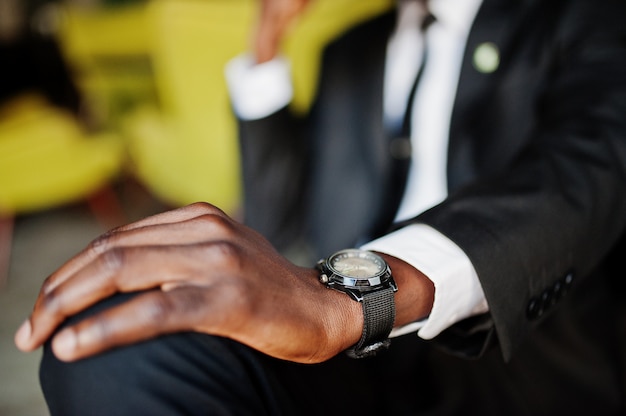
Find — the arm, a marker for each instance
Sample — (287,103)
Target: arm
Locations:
(557,207)
(273,144)
(275,19)
(274,160)
(199,270)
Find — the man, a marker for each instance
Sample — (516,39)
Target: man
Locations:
(532,217)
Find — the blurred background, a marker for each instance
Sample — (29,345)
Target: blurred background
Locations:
(112,110)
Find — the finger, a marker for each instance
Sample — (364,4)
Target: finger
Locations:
(276,17)
(153,313)
(174,216)
(122,269)
(267,38)
(185,226)
(125,269)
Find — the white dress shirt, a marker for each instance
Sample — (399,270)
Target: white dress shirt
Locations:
(259,90)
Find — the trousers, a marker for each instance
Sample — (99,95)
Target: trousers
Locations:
(197,374)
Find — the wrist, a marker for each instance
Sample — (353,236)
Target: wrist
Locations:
(346,328)
(416,292)
(336,321)
(365,278)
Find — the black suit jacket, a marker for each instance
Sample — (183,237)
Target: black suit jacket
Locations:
(537,195)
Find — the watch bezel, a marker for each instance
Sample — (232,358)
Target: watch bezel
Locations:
(374,292)
(335,279)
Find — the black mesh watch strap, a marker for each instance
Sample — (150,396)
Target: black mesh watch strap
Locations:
(379,313)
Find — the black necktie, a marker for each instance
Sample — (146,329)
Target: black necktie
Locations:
(406,121)
(400,145)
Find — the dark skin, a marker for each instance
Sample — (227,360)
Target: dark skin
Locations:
(203,271)
(276,17)
(208,273)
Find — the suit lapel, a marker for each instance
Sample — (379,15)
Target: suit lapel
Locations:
(349,136)
(488,43)
(491,34)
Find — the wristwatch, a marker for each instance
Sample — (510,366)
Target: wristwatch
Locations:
(366,278)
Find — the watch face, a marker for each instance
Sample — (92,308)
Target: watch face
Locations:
(357,264)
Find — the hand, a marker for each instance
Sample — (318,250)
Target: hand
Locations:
(276,16)
(200,271)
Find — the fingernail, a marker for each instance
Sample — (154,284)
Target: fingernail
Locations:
(23,334)
(64,343)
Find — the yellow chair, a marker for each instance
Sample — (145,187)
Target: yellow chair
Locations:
(183,143)
(187,149)
(108,50)
(46,160)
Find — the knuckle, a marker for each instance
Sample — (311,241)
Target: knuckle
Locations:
(50,303)
(203,208)
(47,285)
(228,305)
(188,302)
(226,254)
(100,244)
(216,224)
(113,259)
(157,310)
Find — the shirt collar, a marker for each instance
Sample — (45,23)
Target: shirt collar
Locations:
(457,15)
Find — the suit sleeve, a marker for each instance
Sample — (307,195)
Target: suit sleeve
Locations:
(548,219)
(274,167)
(272,147)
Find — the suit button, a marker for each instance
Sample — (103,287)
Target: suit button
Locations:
(400,148)
(547,299)
(558,290)
(534,309)
(567,282)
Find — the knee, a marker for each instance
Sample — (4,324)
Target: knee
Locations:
(179,373)
(97,385)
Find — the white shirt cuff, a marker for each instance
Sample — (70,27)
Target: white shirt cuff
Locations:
(458,293)
(256,91)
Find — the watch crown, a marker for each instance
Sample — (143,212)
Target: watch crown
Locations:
(323,278)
